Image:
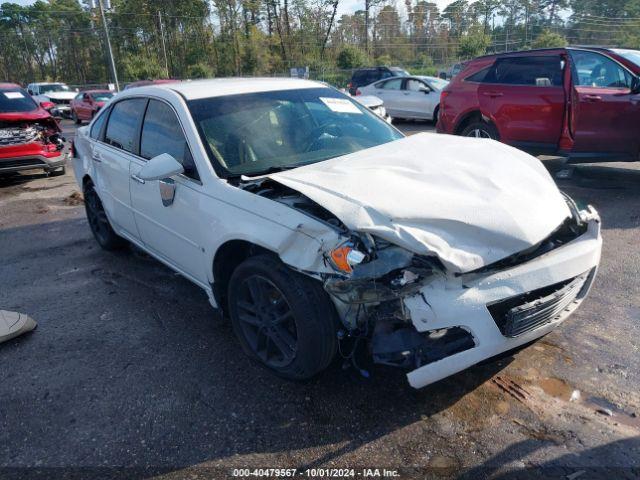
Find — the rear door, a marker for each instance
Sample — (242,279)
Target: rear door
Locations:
(606,114)
(172,230)
(390,91)
(112,157)
(525,98)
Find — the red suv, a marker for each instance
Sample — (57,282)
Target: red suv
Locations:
(87,103)
(580,102)
(29,135)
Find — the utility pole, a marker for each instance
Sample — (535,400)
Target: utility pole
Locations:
(106,34)
(164,48)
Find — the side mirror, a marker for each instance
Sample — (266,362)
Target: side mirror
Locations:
(30,92)
(162,166)
(425,90)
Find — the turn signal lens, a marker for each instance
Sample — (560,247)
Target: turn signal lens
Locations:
(345,257)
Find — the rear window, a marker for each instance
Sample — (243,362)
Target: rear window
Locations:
(123,123)
(16,100)
(544,71)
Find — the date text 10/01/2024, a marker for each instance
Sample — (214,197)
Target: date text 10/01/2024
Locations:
(315,472)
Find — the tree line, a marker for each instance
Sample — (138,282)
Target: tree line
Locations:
(64,39)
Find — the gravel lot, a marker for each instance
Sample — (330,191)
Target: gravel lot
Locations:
(130,367)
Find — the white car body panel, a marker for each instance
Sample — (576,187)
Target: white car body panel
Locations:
(469,202)
(430,194)
(406,103)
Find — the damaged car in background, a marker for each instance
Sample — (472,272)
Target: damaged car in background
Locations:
(321,231)
(30,138)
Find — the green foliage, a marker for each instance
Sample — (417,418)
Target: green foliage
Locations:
(199,70)
(351,57)
(548,39)
(64,39)
(473,45)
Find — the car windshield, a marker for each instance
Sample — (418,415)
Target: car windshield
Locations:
(436,83)
(102,96)
(16,100)
(54,87)
(631,55)
(256,133)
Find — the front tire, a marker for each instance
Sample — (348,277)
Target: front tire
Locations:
(480,129)
(58,172)
(98,221)
(282,318)
(74,117)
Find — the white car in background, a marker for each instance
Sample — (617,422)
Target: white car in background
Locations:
(413,97)
(59,95)
(376,105)
(317,227)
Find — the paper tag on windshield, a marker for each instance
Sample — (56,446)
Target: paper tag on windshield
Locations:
(13,95)
(340,105)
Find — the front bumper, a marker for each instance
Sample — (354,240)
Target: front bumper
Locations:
(464,302)
(32,162)
(61,110)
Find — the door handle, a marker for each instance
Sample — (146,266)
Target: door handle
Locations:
(493,94)
(593,98)
(96,157)
(137,178)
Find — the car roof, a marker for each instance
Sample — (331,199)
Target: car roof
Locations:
(218,87)
(47,83)
(7,85)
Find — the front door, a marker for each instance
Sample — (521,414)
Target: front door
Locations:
(418,99)
(112,158)
(525,97)
(605,120)
(171,228)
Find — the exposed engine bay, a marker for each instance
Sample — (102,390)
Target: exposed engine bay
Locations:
(44,131)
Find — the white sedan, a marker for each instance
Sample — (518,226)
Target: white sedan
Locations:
(316,227)
(413,97)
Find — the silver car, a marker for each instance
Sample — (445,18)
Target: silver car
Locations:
(414,97)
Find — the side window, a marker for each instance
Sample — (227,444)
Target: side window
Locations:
(594,70)
(532,71)
(386,74)
(161,133)
(478,76)
(414,85)
(123,123)
(96,127)
(79,96)
(394,84)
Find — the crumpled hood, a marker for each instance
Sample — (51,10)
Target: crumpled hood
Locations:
(471,202)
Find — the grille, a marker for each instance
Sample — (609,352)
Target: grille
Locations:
(523,313)
(17,136)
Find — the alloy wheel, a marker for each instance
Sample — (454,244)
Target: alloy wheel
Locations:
(479,133)
(267,321)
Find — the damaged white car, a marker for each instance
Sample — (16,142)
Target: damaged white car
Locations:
(317,227)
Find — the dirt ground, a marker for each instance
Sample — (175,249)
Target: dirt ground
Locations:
(131,374)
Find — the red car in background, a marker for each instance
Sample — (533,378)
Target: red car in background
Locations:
(85,105)
(583,103)
(29,136)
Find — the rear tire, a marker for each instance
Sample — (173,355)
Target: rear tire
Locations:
(283,319)
(480,129)
(104,234)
